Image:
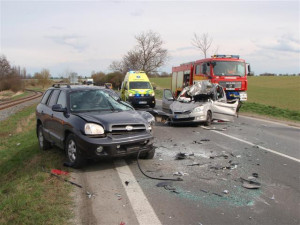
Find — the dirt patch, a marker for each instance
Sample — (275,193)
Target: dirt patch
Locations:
(24,124)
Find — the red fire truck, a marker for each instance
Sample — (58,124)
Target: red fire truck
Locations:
(229,71)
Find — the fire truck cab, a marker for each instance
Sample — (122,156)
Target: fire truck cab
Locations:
(229,71)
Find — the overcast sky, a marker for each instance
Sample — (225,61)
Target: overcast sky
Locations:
(85,36)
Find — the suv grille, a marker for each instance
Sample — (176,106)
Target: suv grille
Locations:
(127,128)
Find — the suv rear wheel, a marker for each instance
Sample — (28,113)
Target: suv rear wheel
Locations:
(43,143)
(73,152)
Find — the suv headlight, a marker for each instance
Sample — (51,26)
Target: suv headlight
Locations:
(93,129)
(130,94)
(152,94)
(198,109)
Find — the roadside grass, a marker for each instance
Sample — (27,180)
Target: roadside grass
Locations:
(27,194)
(270,96)
(270,111)
(10,95)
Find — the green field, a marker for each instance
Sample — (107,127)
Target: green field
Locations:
(273,96)
(27,194)
(281,92)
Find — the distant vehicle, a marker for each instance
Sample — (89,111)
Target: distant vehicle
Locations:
(229,71)
(108,85)
(89,123)
(137,89)
(202,102)
(90,81)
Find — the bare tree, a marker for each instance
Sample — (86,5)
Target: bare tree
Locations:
(148,55)
(203,42)
(43,77)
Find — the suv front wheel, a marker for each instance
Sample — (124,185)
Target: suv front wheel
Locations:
(73,152)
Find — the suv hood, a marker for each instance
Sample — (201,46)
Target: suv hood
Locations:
(110,118)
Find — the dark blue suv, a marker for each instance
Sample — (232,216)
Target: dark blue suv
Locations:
(92,122)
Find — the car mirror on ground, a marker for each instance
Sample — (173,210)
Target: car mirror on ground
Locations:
(58,108)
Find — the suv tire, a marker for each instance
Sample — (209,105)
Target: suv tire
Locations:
(73,152)
(43,143)
(149,155)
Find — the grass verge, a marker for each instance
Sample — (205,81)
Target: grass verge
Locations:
(270,111)
(27,194)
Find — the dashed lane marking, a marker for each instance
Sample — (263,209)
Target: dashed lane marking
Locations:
(261,147)
(139,202)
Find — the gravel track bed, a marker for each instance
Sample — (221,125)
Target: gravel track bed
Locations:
(5,113)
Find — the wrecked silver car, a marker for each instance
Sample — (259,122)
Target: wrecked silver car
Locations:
(202,102)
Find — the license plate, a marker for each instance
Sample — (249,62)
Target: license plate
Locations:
(142,102)
(181,116)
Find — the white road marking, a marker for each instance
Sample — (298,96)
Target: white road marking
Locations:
(261,147)
(139,202)
(269,121)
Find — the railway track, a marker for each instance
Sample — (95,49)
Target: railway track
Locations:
(8,104)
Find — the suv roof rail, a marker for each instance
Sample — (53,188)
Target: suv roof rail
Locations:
(61,84)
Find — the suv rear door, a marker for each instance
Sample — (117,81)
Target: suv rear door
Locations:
(50,123)
(59,119)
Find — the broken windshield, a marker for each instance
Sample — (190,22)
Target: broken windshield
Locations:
(227,68)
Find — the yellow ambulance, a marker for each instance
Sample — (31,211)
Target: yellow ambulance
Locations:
(137,89)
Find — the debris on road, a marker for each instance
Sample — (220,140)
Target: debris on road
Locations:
(180,156)
(168,186)
(59,172)
(162,184)
(204,139)
(250,184)
(180,174)
(225,191)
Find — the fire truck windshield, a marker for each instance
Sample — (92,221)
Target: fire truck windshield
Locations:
(227,68)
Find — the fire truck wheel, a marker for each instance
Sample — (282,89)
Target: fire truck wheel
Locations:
(208,119)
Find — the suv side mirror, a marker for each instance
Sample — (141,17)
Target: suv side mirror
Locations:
(154,88)
(58,108)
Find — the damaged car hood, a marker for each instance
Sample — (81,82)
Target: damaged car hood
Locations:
(178,106)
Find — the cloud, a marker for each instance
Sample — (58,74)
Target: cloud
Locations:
(285,43)
(137,13)
(73,41)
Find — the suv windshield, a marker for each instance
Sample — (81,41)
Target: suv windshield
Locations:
(225,68)
(139,85)
(94,100)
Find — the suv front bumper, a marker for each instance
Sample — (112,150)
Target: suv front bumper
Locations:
(113,146)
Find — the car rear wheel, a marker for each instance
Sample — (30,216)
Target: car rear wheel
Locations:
(74,155)
(43,143)
(208,119)
(148,155)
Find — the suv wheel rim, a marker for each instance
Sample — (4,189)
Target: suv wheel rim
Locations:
(41,138)
(72,150)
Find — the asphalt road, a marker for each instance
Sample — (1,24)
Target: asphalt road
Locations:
(211,192)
